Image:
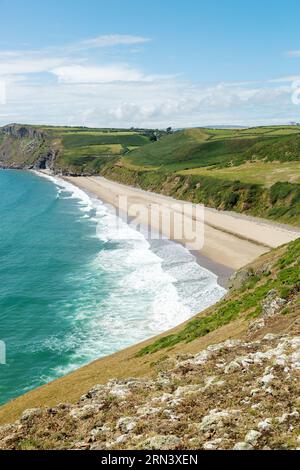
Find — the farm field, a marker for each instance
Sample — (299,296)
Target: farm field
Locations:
(266,174)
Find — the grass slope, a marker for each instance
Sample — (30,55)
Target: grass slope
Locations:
(230,318)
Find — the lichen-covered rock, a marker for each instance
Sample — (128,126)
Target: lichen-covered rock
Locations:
(217,419)
(86,411)
(243,446)
(161,443)
(252,437)
(30,414)
(272,304)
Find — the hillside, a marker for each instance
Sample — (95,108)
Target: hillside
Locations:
(66,150)
(227,379)
(254,171)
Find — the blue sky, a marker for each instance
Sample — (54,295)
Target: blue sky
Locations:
(158,63)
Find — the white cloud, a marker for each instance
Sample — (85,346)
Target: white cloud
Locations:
(75,86)
(105,74)
(28,65)
(112,40)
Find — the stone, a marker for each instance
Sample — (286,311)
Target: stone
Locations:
(187,390)
(243,446)
(126,424)
(272,304)
(30,414)
(144,411)
(252,437)
(267,379)
(256,325)
(216,420)
(202,357)
(96,391)
(269,337)
(233,366)
(86,411)
(121,439)
(160,442)
(212,445)
(265,425)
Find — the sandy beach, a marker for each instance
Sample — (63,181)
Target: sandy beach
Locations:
(230,240)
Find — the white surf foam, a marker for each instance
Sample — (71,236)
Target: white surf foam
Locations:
(152,288)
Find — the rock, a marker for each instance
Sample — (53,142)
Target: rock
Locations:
(144,411)
(202,357)
(243,446)
(269,337)
(213,382)
(187,390)
(272,304)
(252,437)
(126,424)
(238,279)
(86,411)
(31,414)
(266,425)
(121,439)
(217,419)
(232,367)
(161,443)
(81,446)
(165,398)
(119,391)
(212,445)
(267,379)
(171,416)
(97,391)
(288,417)
(256,325)
(295,360)
(8,428)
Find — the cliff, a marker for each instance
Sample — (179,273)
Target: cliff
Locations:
(25,147)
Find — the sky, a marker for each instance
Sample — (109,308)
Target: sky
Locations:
(155,64)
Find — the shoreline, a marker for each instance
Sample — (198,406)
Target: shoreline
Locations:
(123,363)
(227,246)
(222,272)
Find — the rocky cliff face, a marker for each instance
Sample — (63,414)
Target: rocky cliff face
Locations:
(25,147)
(20,131)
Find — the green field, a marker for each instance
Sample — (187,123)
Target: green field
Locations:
(264,173)
(85,151)
(198,148)
(255,171)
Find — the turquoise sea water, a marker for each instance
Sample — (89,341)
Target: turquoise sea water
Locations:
(75,287)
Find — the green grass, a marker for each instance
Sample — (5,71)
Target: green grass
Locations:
(198,148)
(258,172)
(85,139)
(245,303)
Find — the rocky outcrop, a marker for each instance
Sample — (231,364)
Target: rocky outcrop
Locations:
(26,147)
(20,131)
(233,395)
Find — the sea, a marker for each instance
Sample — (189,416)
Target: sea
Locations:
(76,286)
